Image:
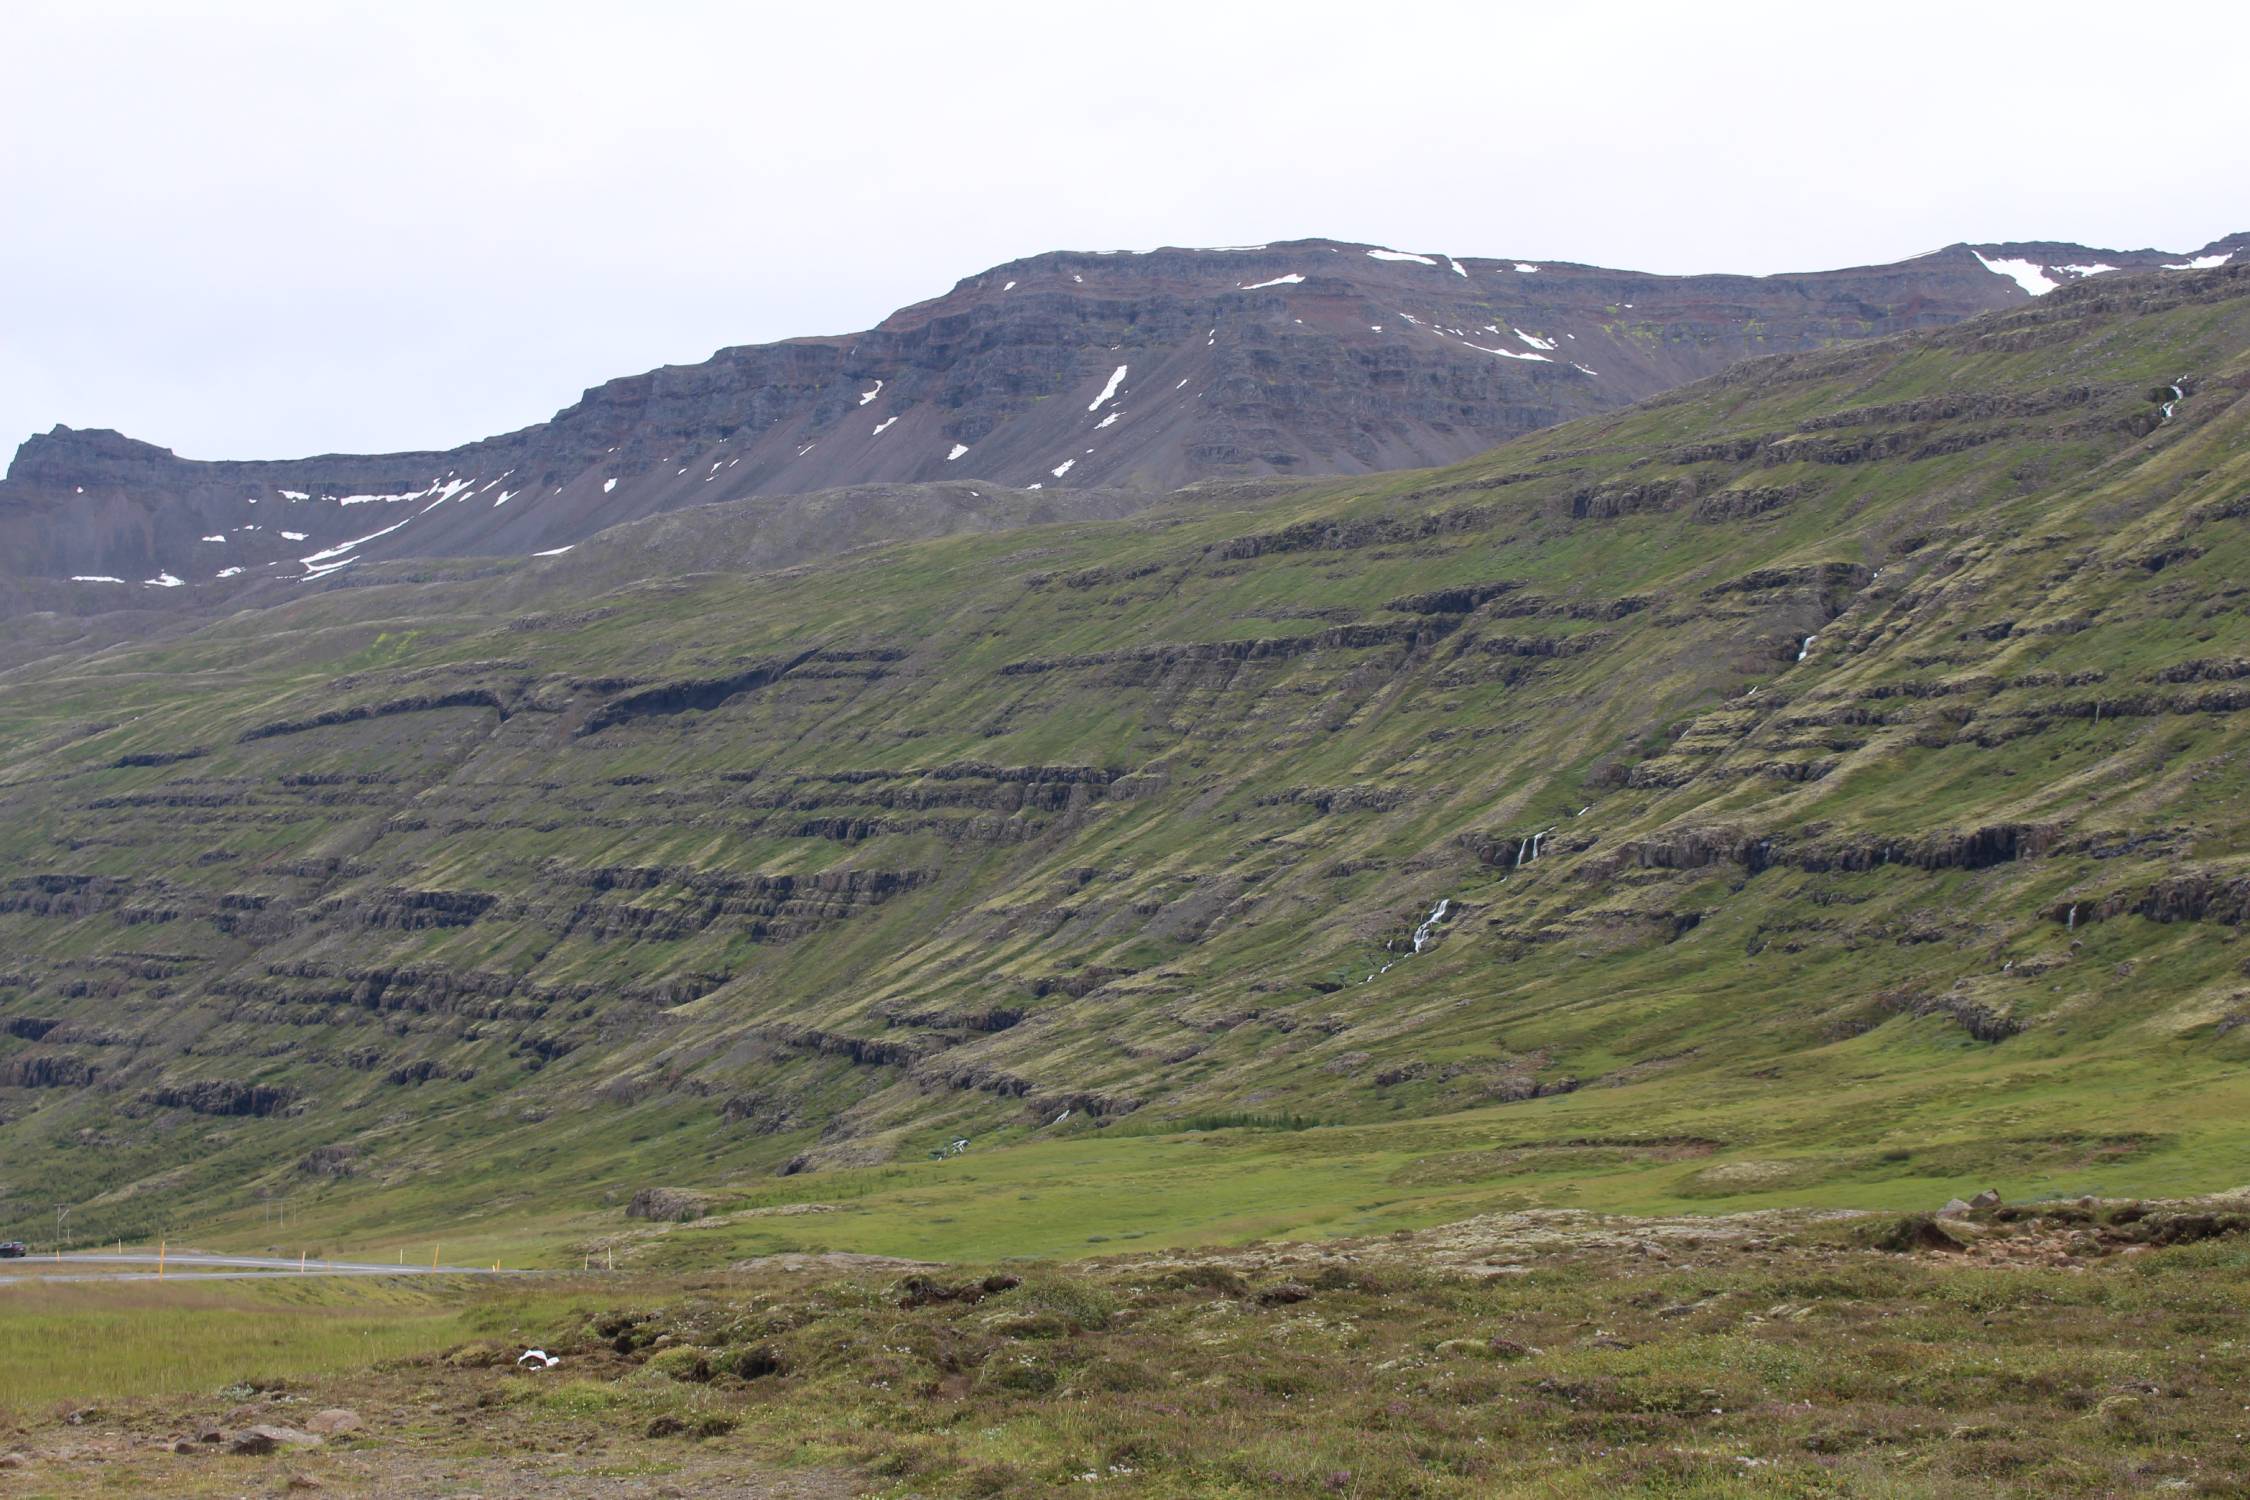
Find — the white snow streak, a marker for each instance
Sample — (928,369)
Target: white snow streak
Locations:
(879,426)
(1508,353)
(2203,262)
(958,450)
(867,396)
(1116,377)
(555,551)
(323,556)
(608,485)
(1062,468)
(1534,340)
(1420,260)
(94,578)
(2023,273)
(1290,280)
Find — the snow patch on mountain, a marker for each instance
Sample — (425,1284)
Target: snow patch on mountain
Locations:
(1116,378)
(2023,273)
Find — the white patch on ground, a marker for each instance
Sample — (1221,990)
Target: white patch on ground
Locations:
(607,486)
(1581,369)
(1011,286)
(1034,486)
(94,578)
(1104,422)
(1290,280)
(1116,378)
(1062,468)
(1526,270)
(555,551)
(1183,382)
(958,450)
(1508,353)
(162,580)
(2203,262)
(226,572)
(294,536)
(801,452)
(2092,270)
(1074,276)
(1534,340)
(2023,273)
(219,538)
(325,570)
(1458,268)
(505,497)
(380,499)
(1420,260)
(291,495)
(320,557)
(879,426)
(1374,328)
(867,396)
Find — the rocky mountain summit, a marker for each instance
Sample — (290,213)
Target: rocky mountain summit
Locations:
(1063,372)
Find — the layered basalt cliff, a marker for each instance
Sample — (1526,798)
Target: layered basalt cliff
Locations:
(1556,771)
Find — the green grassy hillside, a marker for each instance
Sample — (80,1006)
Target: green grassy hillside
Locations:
(1833,775)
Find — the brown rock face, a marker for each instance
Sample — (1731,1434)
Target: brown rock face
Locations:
(1066,371)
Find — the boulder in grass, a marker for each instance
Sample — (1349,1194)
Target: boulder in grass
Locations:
(268,1438)
(668,1205)
(334,1422)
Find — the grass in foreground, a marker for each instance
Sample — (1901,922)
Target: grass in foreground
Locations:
(84,1342)
(2056,1351)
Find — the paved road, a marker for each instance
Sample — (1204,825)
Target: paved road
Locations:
(194,1265)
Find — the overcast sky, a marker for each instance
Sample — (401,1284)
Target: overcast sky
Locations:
(264,230)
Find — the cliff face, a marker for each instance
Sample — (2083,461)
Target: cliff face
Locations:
(1063,371)
(1863,724)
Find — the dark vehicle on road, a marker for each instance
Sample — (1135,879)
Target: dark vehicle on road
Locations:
(13,1249)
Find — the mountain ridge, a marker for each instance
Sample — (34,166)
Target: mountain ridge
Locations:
(1300,358)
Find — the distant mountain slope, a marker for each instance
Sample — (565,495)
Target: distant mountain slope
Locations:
(1067,370)
(1833,772)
